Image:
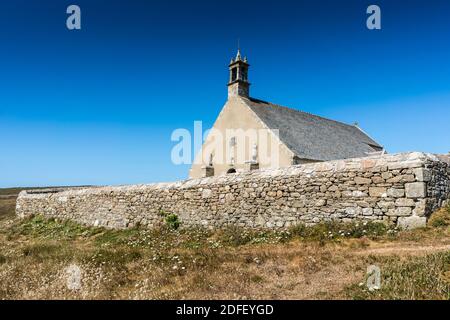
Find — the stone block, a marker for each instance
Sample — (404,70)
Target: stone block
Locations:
(320,203)
(405,164)
(363,204)
(298,204)
(421,208)
(206,193)
(377,179)
(395,193)
(403,211)
(352,211)
(402,178)
(359,180)
(368,163)
(416,190)
(399,212)
(359,194)
(405,202)
(413,222)
(333,188)
(379,192)
(386,204)
(229,197)
(386,175)
(422,174)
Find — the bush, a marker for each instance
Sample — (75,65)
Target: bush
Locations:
(172,221)
(441,218)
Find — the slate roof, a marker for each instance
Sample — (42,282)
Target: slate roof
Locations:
(313,137)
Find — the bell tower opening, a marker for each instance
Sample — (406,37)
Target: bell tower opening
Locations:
(233,74)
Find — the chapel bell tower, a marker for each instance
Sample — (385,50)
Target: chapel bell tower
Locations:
(238,84)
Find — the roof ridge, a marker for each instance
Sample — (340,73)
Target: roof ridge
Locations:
(297,110)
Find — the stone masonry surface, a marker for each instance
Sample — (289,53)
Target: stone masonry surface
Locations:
(400,188)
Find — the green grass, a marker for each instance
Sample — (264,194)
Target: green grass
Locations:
(40,227)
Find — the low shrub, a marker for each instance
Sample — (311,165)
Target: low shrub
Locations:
(171,219)
(441,218)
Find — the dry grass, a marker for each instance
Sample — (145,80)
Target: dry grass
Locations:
(409,278)
(8,202)
(324,262)
(7,206)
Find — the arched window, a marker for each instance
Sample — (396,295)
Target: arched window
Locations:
(232,170)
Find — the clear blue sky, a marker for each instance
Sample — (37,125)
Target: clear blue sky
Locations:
(98,106)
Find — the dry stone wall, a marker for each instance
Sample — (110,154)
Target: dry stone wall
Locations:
(401,188)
